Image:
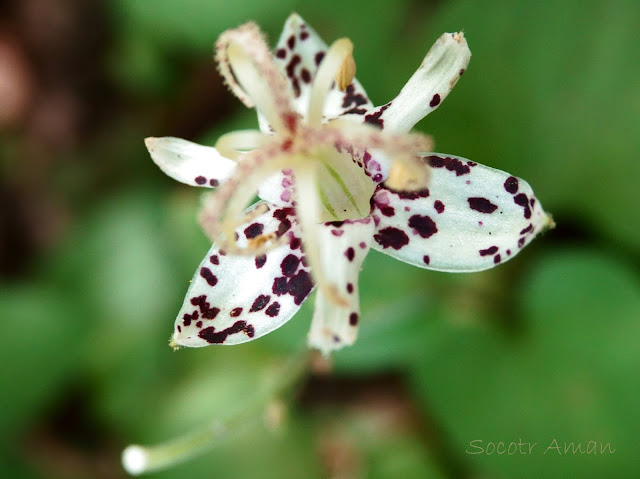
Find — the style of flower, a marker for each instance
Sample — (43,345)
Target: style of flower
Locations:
(335,176)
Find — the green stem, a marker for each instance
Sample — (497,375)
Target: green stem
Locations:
(138,460)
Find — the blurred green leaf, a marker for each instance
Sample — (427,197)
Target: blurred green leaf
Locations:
(40,346)
(569,376)
(195,24)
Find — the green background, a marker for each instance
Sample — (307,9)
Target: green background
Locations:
(98,246)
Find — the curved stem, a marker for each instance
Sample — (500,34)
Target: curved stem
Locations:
(138,459)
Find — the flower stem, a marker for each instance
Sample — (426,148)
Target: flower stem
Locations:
(138,459)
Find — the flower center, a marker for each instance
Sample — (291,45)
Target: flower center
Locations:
(329,158)
(341,182)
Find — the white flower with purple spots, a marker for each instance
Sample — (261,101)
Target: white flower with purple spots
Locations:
(335,176)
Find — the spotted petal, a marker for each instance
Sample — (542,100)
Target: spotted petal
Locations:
(440,70)
(343,248)
(234,299)
(471,218)
(298,54)
(277,189)
(190,163)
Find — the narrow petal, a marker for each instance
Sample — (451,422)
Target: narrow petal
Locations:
(234,299)
(190,163)
(299,52)
(430,84)
(470,218)
(343,248)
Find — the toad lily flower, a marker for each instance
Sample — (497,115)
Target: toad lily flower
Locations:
(335,176)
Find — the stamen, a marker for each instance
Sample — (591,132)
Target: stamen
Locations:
(402,178)
(412,172)
(223,211)
(347,72)
(338,64)
(234,144)
(259,241)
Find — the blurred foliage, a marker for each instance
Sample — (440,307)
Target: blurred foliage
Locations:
(98,248)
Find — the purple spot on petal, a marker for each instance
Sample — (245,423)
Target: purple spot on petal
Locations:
(489,251)
(527,229)
(260,261)
(482,205)
(449,163)
(289,264)
(350,253)
(511,185)
(285,196)
(260,303)
(300,285)
(374,118)
(208,276)
(212,336)
(280,286)
(204,306)
(423,225)
(295,243)
(391,237)
(253,230)
(387,210)
(273,310)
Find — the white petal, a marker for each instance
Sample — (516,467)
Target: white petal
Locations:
(298,54)
(343,248)
(428,87)
(234,299)
(470,218)
(278,188)
(190,163)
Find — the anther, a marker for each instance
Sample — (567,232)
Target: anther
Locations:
(402,178)
(260,240)
(347,71)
